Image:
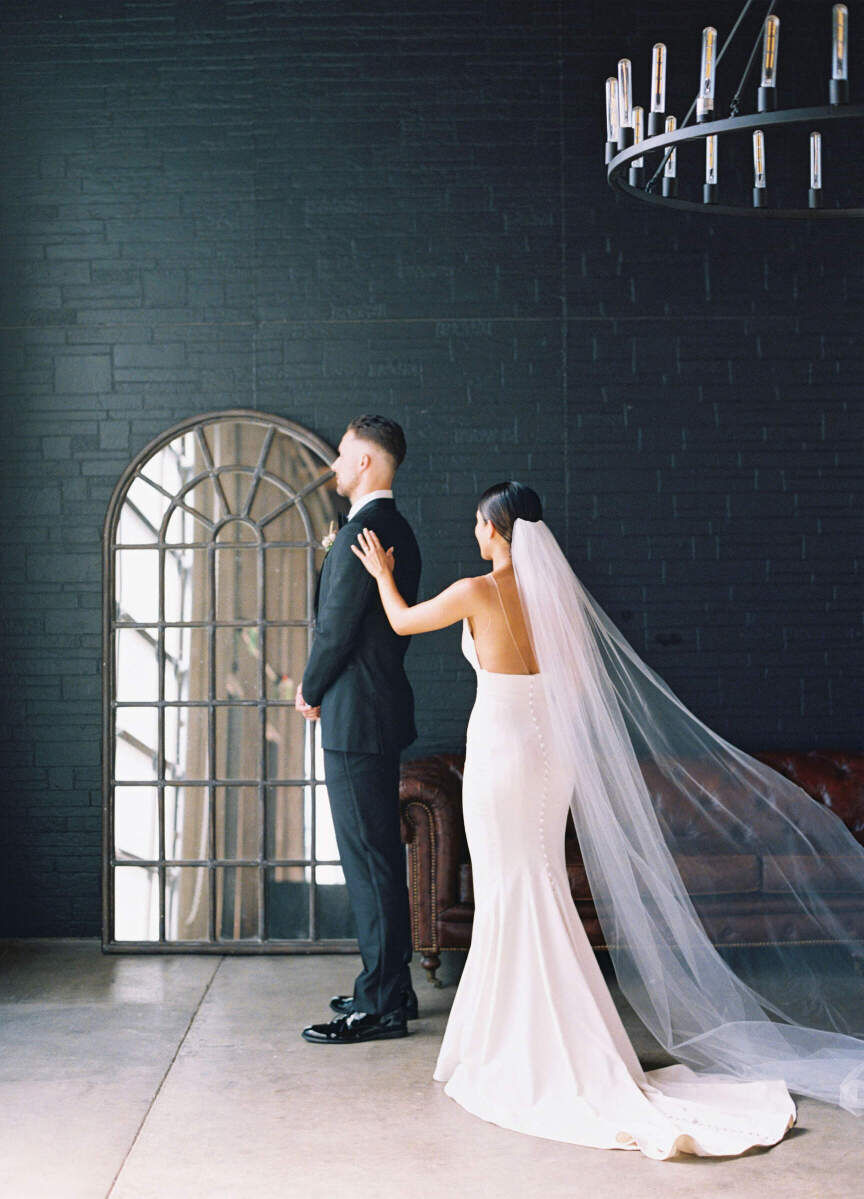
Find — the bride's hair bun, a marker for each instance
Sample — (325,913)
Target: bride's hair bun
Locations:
(505,503)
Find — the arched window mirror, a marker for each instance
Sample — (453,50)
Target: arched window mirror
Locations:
(217,828)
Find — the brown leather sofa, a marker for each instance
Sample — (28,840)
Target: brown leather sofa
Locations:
(439,868)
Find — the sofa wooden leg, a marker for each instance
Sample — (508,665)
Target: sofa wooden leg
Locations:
(430,963)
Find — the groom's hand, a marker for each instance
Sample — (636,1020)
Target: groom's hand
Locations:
(301,706)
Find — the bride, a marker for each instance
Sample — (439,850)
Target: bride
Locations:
(567,717)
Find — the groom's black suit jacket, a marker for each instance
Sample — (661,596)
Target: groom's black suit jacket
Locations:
(355,671)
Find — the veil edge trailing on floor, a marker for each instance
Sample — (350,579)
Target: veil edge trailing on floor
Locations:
(654,787)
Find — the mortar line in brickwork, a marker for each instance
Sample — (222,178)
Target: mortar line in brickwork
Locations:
(305,320)
(567,317)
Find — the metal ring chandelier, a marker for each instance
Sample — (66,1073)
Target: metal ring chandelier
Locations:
(627,144)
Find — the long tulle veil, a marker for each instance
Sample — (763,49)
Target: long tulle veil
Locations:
(663,807)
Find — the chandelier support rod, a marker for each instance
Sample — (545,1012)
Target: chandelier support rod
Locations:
(736,99)
(649,186)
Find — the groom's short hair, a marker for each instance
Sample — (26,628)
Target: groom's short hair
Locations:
(383,432)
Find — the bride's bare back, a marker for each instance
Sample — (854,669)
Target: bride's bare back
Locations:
(498,626)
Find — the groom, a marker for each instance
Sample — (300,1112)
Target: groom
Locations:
(355,682)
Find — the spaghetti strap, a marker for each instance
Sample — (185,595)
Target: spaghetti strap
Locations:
(507,622)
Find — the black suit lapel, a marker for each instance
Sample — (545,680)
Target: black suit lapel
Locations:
(317,590)
(319,586)
(340,521)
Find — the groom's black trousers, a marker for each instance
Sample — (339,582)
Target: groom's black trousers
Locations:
(364,802)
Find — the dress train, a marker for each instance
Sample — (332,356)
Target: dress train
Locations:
(534,1041)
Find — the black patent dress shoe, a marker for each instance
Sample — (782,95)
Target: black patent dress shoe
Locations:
(344,1004)
(358,1026)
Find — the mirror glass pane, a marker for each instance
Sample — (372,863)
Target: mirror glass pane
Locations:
(332,904)
(137,585)
(136,903)
(288,458)
(238,742)
(236,487)
(186,747)
(287,650)
(287,734)
(326,849)
(288,902)
(187,584)
(204,499)
(289,582)
(137,664)
(148,506)
(185,527)
(187,663)
(289,525)
(289,822)
(136,822)
(267,498)
(235,442)
(171,466)
(238,656)
(136,743)
(236,583)
(238,822)
(236,902)
(132,528)
(187,822)
(187,899)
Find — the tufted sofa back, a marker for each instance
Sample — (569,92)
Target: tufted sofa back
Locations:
(835,779)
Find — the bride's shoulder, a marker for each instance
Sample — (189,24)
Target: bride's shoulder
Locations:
(474,589)
(470,588)
(478,583)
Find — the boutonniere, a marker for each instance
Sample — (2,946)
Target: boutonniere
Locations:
(329,537)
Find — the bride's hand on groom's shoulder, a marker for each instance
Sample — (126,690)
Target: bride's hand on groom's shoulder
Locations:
(372,554)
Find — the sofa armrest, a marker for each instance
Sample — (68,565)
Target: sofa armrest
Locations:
(430,804)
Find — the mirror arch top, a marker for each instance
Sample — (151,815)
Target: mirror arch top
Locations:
(239,462)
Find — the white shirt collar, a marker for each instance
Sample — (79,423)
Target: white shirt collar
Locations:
(367,499)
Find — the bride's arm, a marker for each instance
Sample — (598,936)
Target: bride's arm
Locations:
(452,604)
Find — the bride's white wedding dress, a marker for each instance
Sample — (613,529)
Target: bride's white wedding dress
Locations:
(534,1042)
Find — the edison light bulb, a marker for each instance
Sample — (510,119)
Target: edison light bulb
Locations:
(670,170)
(815,161)
(625,93)
(758,158)
(705,101)
(611,109)
(638,132)
(711,159)
(770,44)
(840,43)
(658,78)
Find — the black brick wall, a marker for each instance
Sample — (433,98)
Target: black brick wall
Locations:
(327,207)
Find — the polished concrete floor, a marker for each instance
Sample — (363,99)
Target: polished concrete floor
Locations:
(154,1077)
